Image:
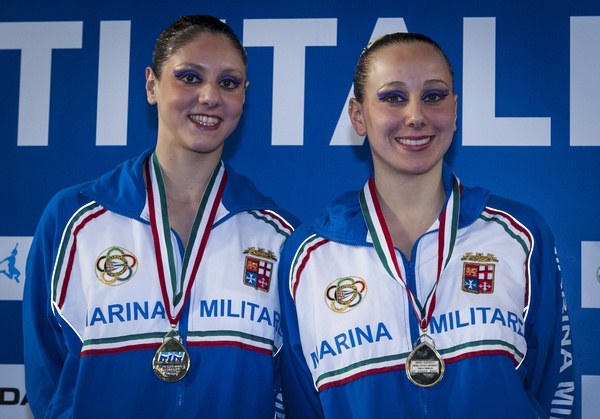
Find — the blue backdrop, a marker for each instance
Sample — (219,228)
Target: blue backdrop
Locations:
(73,106)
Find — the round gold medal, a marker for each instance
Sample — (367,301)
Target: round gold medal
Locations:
(171,361)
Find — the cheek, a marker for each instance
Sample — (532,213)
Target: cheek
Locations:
(177,100)
(382,120)
(444,121)
(235,104)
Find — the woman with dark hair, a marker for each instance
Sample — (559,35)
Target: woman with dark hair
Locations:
(151,292)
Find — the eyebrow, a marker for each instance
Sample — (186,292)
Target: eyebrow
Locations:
(201,68)
(429,82)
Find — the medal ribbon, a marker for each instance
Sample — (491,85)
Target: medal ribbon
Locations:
(176,292)
(382,241)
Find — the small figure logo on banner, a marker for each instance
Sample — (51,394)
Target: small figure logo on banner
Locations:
(10,271)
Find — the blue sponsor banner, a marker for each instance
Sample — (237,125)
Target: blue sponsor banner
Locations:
(74,106)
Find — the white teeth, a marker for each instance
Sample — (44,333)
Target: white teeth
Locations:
(406,141)
(205,120)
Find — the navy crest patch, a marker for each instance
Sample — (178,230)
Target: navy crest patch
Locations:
(478,273)
(258,268)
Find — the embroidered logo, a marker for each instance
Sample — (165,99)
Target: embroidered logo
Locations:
(115,266)
(258,268)
(344,294)
(478,273)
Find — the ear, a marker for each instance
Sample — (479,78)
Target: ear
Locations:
(355,112)
(151,83)
(455,110)
(245,88)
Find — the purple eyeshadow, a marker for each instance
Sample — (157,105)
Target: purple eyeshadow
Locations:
(441,92)
(384,95)
(236,80)
(179,72)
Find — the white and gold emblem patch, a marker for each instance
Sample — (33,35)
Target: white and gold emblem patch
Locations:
(115,266)
(344,294)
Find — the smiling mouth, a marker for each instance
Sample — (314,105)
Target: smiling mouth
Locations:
(208,121)
(408,142)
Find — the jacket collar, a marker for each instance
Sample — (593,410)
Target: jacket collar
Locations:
(123,191)
(343,219)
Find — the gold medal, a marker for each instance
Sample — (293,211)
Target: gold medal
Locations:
(424,365)
(171,361)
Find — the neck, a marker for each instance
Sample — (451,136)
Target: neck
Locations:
(185,180)
(410,206)
(186,174)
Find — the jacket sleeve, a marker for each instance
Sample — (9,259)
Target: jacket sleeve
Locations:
(548,366)
(279,404)
(300,397)
(45,351)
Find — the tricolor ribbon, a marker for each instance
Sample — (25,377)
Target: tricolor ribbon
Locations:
(176,288)
(382,241)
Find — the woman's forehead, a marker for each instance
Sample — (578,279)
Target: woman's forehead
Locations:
(209,46)
(416,57)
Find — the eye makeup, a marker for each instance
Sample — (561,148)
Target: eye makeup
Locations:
(182,71)
(436,92)
(395,94)
(236,81)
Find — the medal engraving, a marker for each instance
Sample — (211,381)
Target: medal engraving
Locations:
(171,361)
(424,365)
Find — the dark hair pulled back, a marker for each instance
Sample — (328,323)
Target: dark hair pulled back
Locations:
(183,30)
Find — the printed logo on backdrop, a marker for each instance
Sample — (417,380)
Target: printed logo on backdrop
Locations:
(13,256)
(11,272)
(13,400)
(590,401)
(590,274)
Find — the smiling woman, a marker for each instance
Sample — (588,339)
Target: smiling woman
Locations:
(116,301)
(199,92)
(405,104)
(464,285)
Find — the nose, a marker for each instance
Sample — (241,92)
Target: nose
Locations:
(209,94)
(415,115)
